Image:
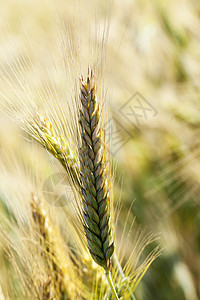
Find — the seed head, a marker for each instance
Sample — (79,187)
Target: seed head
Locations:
(95,178)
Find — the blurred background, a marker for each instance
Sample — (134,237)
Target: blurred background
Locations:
(153,80)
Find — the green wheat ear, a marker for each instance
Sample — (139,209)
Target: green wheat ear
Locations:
(94,177)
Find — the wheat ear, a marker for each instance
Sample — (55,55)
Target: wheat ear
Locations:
(43,132)
(95,182)
(95,179)
(59,282)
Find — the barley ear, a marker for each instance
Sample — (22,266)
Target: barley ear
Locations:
(94,177)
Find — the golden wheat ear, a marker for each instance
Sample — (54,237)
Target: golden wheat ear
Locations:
(60,282)
(43,131)
(94,177)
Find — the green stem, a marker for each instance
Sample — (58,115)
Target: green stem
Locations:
(110,281)
(123,275)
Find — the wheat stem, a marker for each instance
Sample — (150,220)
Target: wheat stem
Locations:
(115,258)
(111,284)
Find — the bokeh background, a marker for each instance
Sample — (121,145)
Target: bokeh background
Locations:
(154,62)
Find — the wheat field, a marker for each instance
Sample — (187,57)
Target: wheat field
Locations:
(99,150)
